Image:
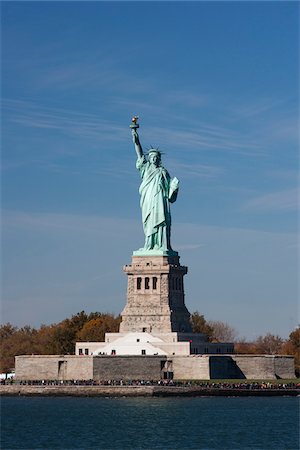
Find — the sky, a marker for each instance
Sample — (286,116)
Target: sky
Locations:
(216,87)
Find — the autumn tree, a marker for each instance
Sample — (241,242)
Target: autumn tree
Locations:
(46,339)
(94,329)
(7,358)
(6,331)
(222,331)
(269,344)
(200,325)
(245,348)
(64,336)
(292,347)
(295,338)
(16,342)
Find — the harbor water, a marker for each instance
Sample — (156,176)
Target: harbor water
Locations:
(150,423)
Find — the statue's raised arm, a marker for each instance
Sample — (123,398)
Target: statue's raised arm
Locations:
(157,190)
(135,137)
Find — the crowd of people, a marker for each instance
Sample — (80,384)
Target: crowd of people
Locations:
(193,383)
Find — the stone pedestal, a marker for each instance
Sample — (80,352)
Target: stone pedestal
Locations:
(155,296)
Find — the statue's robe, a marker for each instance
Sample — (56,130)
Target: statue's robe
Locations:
(155,198)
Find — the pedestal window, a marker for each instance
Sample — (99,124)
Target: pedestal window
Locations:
(154,283)
(147,282)
(138,283)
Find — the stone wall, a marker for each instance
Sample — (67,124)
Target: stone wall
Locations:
(129,367)
(224,367)
(285,367)
(190,367)
(70,367)
(36,367)
(265,366)
(233,367)
(54,367)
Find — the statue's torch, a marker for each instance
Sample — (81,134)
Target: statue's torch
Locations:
(134,125)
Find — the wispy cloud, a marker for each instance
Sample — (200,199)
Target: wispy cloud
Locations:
(187,133)
(207,138)
(76,123)
(286,200)
(257,106)
(166,125)
(186,127)
(196,170)
(65,68)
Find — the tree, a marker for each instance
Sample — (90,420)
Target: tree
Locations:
(269,344)
(45,338)
(94,330)
(245,348)
(64,336)
(222,332)
(7,358)
(53,339)
(200,325)
(292,347)
(6,331)
(294,337)
(16,342)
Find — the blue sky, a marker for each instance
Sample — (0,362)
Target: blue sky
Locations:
(216,87)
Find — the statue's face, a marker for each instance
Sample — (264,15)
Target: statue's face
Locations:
(154,159)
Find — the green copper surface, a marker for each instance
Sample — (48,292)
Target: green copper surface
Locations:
(158,252)
(157,191)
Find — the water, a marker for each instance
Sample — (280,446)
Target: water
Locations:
(150,423)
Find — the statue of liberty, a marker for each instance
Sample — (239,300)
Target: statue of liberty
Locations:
(157,191)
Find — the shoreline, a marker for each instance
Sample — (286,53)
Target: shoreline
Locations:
(140,391)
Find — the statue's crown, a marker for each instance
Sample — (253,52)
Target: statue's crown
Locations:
(154,150)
